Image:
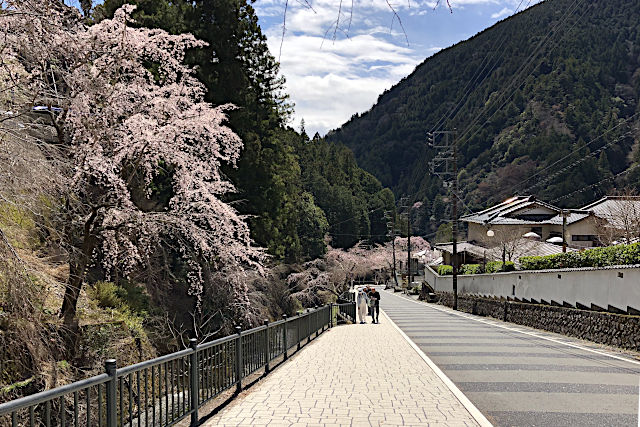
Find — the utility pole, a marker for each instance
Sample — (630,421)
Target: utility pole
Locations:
(391,227)
(404,204)
(445,165)
(565,214)
(409,278)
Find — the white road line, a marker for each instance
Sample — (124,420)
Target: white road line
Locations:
(470,407)
(471,317)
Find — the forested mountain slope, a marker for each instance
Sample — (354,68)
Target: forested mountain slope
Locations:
(531,98)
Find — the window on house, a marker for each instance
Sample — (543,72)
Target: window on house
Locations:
(583,238)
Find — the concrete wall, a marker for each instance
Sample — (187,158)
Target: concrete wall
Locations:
(618,287)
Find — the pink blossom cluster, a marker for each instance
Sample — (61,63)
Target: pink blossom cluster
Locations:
(131,111)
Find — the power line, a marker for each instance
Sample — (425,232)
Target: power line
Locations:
(468,90)
(580,148)
(583,189)
(577,162)
(520,72)
(355,217)
(522,69)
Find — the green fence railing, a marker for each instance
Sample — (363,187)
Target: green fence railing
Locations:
(167,389)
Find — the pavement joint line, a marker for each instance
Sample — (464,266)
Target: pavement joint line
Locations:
(470,407)
(471,317)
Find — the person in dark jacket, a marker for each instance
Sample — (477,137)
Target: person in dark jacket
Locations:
(375,309)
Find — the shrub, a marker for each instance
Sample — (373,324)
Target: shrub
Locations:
(106,294)
(133,296)
(496,266)
(597,257)
(445,270)
(471,269)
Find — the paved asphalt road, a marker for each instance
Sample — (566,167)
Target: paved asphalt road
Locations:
(516,379)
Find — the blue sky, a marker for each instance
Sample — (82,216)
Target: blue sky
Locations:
(331,79)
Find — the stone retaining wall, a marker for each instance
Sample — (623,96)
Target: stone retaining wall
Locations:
(606,328)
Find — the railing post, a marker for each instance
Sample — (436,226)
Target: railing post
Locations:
(309,314)
(194,391)
(266,346)
(284,336)
(112,411)
(330,315)
(239,367)
(298,324)
(329,319)
(315,321)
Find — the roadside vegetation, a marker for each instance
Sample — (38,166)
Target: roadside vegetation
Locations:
(594,258)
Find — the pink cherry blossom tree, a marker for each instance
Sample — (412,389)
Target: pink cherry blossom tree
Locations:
(131,119)
(337,271)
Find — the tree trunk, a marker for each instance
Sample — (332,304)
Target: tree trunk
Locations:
(71,295)
(76,273)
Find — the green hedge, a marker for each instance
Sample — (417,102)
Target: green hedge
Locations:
(471,269)
(445,270)
(496,266)
(491,267)
(598,257)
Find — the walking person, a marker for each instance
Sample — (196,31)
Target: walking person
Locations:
(367,291)
(362,301)
(375,306)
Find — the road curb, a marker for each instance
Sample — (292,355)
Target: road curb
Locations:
(470,407)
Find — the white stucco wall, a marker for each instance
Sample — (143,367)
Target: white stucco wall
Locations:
(602,287)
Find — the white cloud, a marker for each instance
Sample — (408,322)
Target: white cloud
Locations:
(346,76)
(331,79)
(504,12)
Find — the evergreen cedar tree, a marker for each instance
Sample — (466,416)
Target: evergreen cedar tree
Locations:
(292,189)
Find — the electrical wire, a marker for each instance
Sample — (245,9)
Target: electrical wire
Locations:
(468,90)
(583,189)
(579,161)
(578,149)
(519,75)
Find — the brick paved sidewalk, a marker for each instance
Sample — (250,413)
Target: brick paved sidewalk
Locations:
(355,375)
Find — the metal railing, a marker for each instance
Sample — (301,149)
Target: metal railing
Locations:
(345,312)
(167,389)
(347,296)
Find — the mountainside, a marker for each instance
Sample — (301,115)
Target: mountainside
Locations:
(544,102)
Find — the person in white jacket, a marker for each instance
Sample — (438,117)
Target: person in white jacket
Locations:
(362,301)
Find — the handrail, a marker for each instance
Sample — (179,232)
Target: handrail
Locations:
(153,362)
(53,393)
(166,389)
